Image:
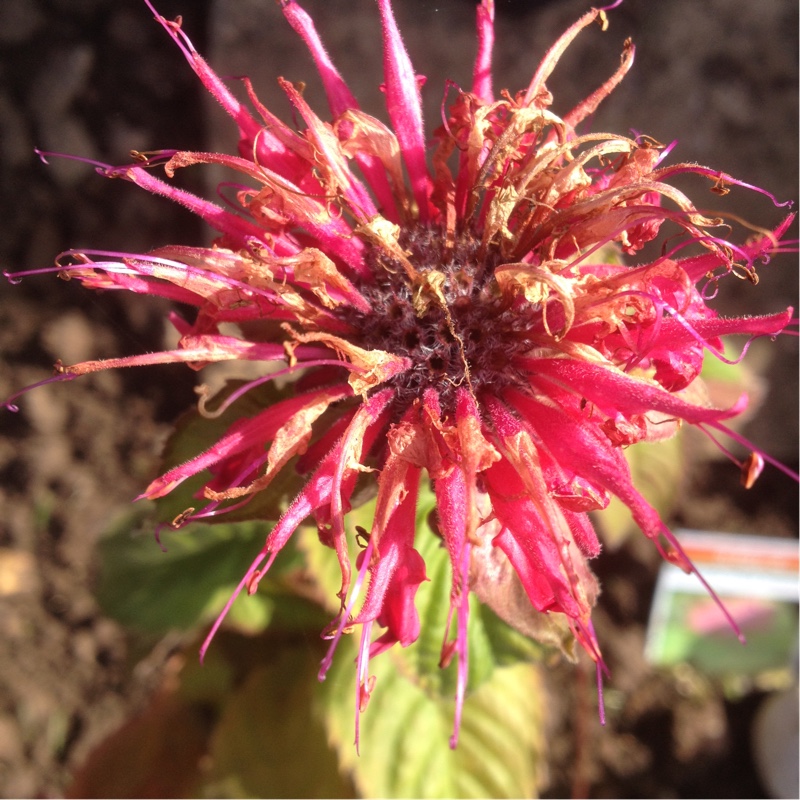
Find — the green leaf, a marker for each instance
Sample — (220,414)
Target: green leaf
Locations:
(145,587)
(271,740)
(492,643)
(405,732)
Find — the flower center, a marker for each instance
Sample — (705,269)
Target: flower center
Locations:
(464,331)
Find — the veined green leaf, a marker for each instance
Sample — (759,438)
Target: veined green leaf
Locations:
(148,588)
(271,740)
(405,733)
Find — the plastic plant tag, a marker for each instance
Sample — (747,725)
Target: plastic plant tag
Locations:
(757,579)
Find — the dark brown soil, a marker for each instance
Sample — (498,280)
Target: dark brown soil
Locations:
(99,77)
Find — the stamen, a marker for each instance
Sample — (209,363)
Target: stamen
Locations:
(663,306)
(364,682)
(601,704)
(10,404)
(752,467)
(745,443)
(687,562)
(246,581)
(346,613)
(203,390)
(462,643)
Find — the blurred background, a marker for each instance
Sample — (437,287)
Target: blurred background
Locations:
(97,78)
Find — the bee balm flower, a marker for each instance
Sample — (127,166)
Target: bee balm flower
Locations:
(453,313)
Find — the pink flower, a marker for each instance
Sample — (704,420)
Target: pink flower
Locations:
(454,313)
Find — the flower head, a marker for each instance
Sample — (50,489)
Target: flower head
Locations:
(462,312)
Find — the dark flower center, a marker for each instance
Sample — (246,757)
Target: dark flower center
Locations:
(464,332)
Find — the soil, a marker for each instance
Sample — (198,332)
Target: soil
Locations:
(98,78)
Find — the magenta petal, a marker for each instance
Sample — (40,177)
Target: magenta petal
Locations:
(318,490)
(611,389)
(340,99)
(584,448)
(404,105)
(243,434)
(583,533)
(482,71)
(247,125)
(451,510)
(216,217)
(396,575)
(528,539)
(329,153)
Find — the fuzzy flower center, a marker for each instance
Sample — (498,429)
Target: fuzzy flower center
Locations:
(450,321)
